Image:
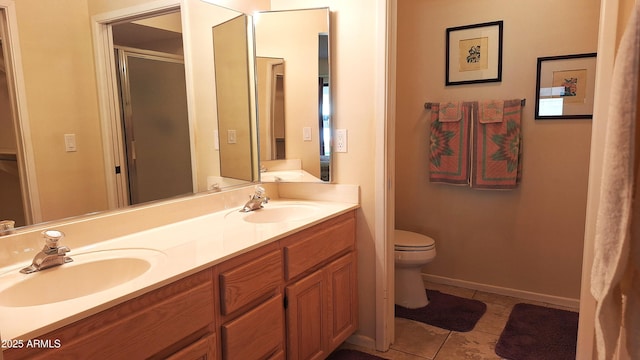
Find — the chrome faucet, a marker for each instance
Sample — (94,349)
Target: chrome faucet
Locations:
(256,201)
(6,227)
(51,254)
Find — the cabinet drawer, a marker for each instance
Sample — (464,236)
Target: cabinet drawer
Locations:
(307,249)
(253,280)
(138,328)
(258,334)
(203,349)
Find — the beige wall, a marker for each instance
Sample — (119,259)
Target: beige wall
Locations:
(60,87)
(528,239)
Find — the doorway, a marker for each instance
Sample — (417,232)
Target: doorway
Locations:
(10,190)
(18,186)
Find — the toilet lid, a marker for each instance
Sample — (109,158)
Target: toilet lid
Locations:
(410,241)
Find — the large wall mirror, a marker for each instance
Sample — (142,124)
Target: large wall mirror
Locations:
(135,118)
(293,77)
(86,146)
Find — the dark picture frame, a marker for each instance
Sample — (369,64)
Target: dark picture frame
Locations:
(565,86)
(474,53)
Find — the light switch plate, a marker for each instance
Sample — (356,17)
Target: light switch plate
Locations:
(341,140)
(70,142)
(306,133)
(231,137)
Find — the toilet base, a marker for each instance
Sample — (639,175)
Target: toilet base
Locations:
(409,288)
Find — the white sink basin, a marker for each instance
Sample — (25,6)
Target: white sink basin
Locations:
(280,214)
(89,273)
(275,213)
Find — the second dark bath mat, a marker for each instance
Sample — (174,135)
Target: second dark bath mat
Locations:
(535,332)
(446,311)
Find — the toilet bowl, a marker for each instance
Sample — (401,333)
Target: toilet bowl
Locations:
(412,251)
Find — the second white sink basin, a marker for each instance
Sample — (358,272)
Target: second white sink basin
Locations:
(280,213)
(89,273)
(275,212)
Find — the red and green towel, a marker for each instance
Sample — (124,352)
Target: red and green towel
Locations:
(490,159)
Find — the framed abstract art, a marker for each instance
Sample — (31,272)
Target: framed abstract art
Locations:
(474,53)
(565,86)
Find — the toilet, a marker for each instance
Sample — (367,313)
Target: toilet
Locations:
(412,251)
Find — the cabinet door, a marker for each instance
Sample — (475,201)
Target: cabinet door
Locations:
(306,315)
(203,349)
(342,299)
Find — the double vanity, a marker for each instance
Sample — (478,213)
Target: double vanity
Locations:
(273,283)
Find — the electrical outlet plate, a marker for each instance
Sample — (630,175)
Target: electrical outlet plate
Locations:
(341,140)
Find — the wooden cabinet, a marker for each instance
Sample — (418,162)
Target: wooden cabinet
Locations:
(321,306)
(295,298)
(316,270)
(155,325)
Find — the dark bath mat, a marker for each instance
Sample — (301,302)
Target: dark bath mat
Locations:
(535,332)
(446,311)
(349,354)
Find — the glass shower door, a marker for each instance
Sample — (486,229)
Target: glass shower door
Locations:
(156,126)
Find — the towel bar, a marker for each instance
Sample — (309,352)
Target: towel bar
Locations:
(8,157)
(427,105)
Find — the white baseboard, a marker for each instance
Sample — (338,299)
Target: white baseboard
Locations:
(522,294)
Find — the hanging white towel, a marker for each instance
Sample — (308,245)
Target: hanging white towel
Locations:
(615,275)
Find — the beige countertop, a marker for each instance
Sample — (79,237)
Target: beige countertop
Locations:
(175,250)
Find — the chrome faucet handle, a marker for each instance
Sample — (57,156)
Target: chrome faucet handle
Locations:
(259,192)
(52,237)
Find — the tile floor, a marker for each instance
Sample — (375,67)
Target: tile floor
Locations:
(419,341)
